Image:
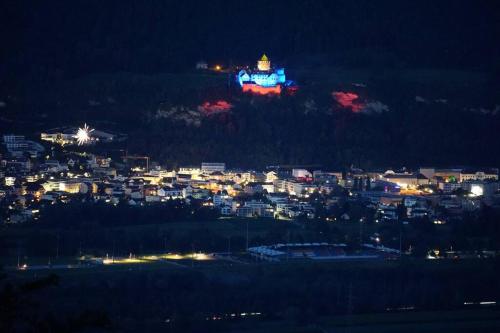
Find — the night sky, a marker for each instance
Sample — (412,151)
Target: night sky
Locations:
(94,36)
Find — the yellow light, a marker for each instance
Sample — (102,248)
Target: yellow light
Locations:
(201,256)
(171,256)
(108,261)
(218,67)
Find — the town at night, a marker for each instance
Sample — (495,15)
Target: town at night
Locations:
(269,166)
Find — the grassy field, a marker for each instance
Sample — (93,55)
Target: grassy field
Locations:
(33,244)
(101,278)
(475,320)
(127,284)
(19,240)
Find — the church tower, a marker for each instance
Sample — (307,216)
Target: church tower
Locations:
(264,64)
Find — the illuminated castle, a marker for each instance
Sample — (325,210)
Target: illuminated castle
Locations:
(264,79)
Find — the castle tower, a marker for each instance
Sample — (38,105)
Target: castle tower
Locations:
(264,64)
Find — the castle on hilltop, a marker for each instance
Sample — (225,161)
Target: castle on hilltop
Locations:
(262,80)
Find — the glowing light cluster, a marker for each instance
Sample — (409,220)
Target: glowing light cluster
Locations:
(83,135)
(264,64)
(269,78)
(348,100)
(188,256)
(118,261)
(476,190)
(220,106)
(264,79)
(254,88)
(157,258)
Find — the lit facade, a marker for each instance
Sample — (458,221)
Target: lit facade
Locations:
(264,79)
(264,64)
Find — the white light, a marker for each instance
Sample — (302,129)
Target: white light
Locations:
(83,135)
(476,190)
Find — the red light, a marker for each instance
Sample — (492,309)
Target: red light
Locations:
(292,90)
(348,100)
(220,106)
(253,88)
(305,179)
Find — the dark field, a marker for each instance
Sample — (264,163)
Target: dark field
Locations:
(305,297)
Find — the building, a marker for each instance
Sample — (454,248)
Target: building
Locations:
(448,187)
(417,212)
(314,251)
(387,212)
(171,192)
(69,186)
(301,173)
(35,189)
(9,181)
(58,137)
(201,65)
(227,210)
(264,64)
(14,142)
(427,172)
(222,200)
(460,174)
(481,188)
(448,174)
(68,136)
(208,168)
(255,208)
(17,145)
(326,177)
(271,176)
(406,180)
(294,187)
(262,80)
(472,174)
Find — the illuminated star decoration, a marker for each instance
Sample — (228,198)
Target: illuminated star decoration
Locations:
(83,135)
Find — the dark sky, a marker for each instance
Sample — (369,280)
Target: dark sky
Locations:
(79,37)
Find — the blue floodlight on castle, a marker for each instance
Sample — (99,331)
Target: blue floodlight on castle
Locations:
(264,75)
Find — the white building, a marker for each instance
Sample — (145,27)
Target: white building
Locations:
(467,175)
(294,187)
(226,210)
(271,176)
(170,192)
(448,187)
(69,186)
(222,200)
(255,208)
(212,167)
(301,173)
(14,142)
(17,145)
(189,171)
(10,181)
(406,180)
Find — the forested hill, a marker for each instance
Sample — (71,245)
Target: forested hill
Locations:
(398,118)
(425,77)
